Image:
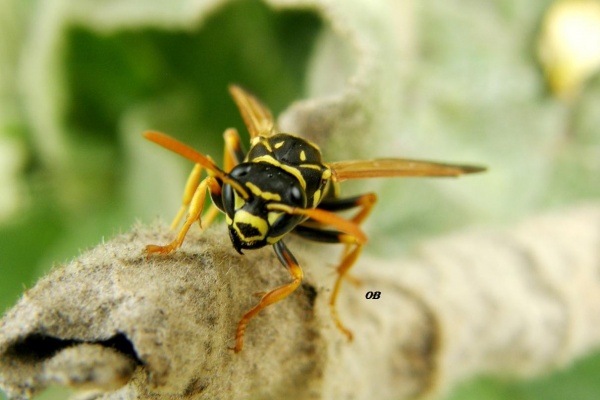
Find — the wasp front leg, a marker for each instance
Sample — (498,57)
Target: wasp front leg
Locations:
(188,193)
(233,155)
(195,211)
(289,261)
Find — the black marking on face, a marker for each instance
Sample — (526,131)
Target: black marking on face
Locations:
(248,230)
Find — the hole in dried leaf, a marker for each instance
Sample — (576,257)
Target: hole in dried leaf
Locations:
(38,347)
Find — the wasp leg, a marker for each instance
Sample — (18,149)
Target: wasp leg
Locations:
(234,154)
(365,201)
(188,193)
(351,253)
(348,232)
(280,293)
(353,243)
(350,256)
(195,210)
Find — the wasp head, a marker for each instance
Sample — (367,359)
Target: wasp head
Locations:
(251,224)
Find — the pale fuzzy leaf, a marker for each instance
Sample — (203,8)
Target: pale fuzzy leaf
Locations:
(505,302)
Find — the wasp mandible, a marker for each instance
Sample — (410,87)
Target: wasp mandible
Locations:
(281,186)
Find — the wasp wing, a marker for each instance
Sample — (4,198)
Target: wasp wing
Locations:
(256,115)
(396,167)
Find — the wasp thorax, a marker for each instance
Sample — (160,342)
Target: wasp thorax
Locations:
(251,223)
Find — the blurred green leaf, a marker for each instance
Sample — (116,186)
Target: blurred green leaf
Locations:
(579,382)
(471,90)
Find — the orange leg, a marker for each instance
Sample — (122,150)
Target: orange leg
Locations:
(352,252)
(233,150)
(273,296)
(353,242)
(366,202)
(195,210)
(233,155)
(188,193)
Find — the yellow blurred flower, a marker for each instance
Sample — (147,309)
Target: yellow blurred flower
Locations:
(569,45)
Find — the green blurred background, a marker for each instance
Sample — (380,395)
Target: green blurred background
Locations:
(74,169)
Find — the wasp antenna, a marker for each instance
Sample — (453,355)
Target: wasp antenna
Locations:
(236,186)
(186,151)
(472,169)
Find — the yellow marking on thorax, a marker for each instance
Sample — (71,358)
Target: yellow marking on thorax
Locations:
(316,198)
(311,166)
(294,171)
(302,156)
(256,222)
(279,144)
(265,195)
(326,175)
(265,142)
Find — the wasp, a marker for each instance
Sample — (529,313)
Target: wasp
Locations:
(282,186)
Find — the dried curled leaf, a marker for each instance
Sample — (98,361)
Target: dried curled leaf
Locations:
(520,302)
(90,322)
